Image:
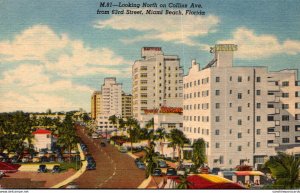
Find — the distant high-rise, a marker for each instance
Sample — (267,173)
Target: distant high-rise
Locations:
(96,104)
(157,82)
(126,105)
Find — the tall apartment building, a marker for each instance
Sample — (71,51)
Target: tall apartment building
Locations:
(157,82)
(96,104)
(126,105)
(243,113)
(106,102)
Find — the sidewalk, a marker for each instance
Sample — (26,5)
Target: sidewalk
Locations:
(77,174)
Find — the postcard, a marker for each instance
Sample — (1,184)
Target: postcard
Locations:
(148,94)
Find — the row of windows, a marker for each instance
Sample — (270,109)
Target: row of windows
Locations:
(217,93)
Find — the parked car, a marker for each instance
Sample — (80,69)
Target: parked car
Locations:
(44,159)
(181,170)
(52,158)
(41,154)
(162,164)
(36,159)
(123,149)
(42,169)
(171,172)
(14,159)
(91,165)
(25,160)
(157,172)
(141,165)
(72,185)
(56,169)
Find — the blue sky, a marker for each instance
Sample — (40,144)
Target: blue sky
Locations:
(53,54)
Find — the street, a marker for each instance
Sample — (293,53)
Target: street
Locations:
(114,169)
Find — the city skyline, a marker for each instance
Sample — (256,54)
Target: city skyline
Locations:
(56,60)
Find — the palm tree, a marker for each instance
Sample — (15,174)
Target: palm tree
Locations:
(150,124)
(150,159)
(150,136)
(133,130)
(285,168)
(177,139)
(199,152)
(113,119)
(161,135)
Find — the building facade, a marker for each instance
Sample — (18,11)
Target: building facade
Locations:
(107,102)
(96,104)
(238,110)
(157,82)
(126,105)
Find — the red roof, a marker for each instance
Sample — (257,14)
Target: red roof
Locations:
(8,168)
(41,131)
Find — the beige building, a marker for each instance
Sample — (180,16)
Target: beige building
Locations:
(126,105)
(240,111)
(157,82)
(96,104)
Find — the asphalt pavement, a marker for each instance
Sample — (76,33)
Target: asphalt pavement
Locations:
(114,170)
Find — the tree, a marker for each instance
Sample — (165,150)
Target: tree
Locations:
(161,135)
(151,159)
(133,130)
(177,139)
(113,119)
(285,168)
(150,124)
(199,156)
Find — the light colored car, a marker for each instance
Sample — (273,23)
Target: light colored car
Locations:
(123,149)
(36,159)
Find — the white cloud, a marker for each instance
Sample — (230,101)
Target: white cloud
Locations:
(176,28)
(60,54)
(29,88)
(253,46)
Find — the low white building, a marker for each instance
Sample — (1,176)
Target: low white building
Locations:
(43,139)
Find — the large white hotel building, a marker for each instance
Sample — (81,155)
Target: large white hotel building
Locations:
(157,83)
(243,113)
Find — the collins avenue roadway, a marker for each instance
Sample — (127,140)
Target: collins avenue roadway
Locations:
(114,169)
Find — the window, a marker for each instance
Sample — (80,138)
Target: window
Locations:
(230,78)
(285,95)
(285,140)
(248,78)
(258,118)
(285,128)
(230,131)
(239,95)
(239,79)
(230,144)
(257,144)
(270,105)
(257,79)
(239,135)
(297,139)
(285,83)
(217,132)
(285,106)
(271,129)
(257,131)
(239,108)
(239,148)
(230,105)
(297,127)
(217,145)
(270,118)
(297,94)
(258,92)
(217,79)
(285,118)
(217,105)
(297,105)
(239,122)
(217,119)
(230,91)
(297,116)
(217,92)
(258,105)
